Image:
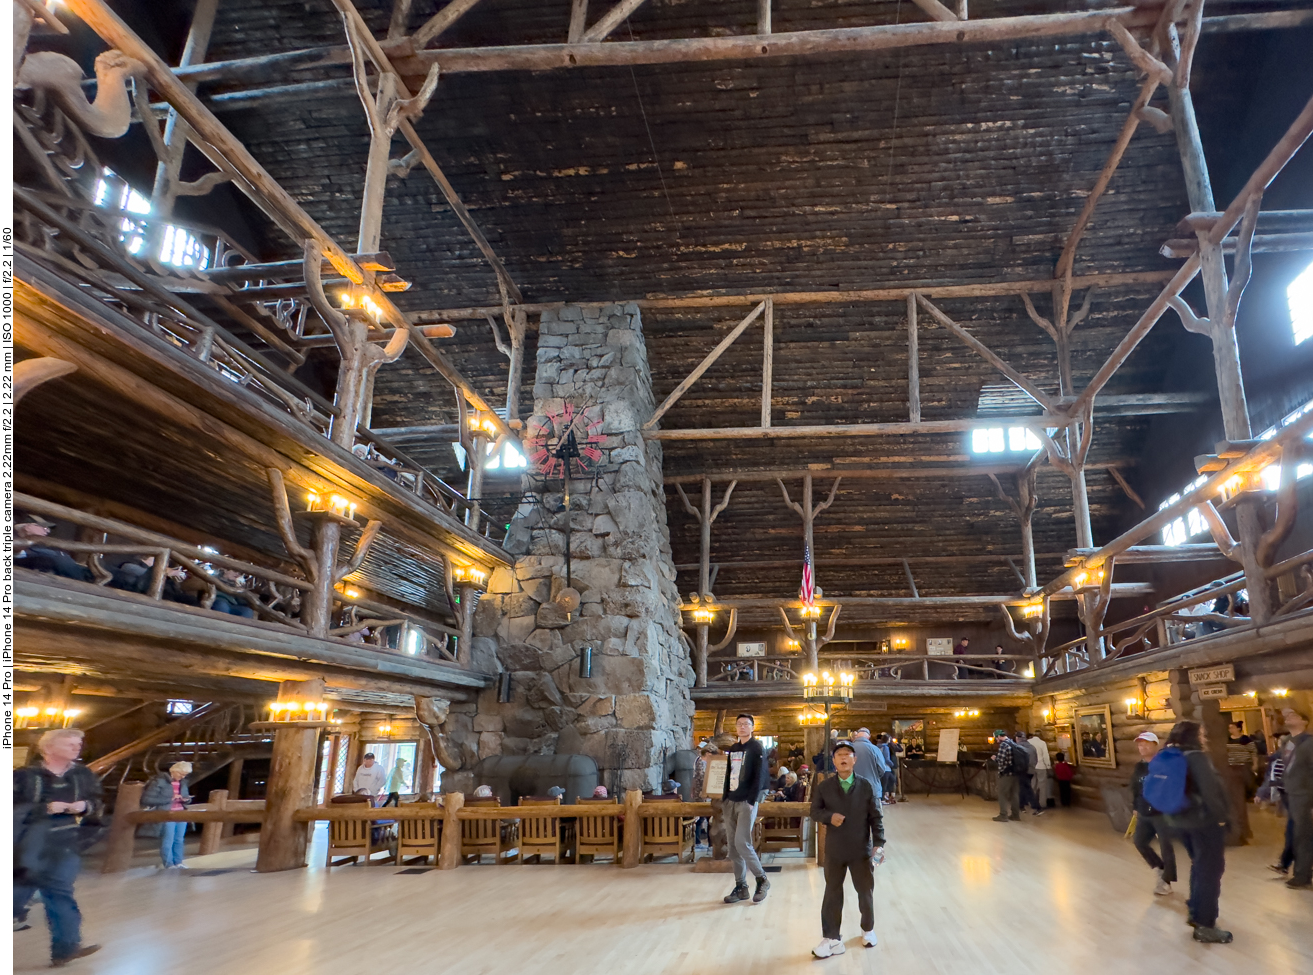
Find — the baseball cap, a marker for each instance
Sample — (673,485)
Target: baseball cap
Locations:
(844,743)
(1147,736)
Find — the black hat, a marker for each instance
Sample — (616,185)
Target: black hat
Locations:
(843,743)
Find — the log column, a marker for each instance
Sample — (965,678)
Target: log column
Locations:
(212,833)
(234,790)
(283,841)
(1220,328)
(633,828)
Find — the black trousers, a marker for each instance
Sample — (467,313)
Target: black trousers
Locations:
(1207,849)
(863,874)
(1301,836)
(393,799)
(1064,792)
(1164,859)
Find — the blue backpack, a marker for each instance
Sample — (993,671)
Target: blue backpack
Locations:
(1164,784)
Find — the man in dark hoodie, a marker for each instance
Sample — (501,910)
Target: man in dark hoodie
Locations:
(745,781)
(846,805)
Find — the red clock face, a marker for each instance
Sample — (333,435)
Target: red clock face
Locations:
(546,433)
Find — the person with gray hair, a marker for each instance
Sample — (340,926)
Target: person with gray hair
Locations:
(48,797)
(168,790)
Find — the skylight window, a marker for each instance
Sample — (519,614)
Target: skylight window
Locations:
(1300,297)
(1182,529)
(997,440)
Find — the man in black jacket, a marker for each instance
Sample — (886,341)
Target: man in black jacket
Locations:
(746,778)
(1149,821)
(846,805)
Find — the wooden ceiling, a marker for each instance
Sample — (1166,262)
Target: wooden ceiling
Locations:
(952,164)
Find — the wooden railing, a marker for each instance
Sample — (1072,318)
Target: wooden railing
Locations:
(1167,624)
(271,595)
(450,809)
(869,668)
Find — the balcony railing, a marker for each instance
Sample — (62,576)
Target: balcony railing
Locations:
(199,577)
(873,668)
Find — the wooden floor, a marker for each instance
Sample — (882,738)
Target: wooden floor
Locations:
(960,895)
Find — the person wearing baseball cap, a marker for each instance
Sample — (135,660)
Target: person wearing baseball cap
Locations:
(846,805)
(1149,822)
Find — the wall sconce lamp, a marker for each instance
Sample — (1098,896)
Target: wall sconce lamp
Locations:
(469,575)
(1280,691)
(333,503)
(34,717)
(810,611)
(1132,707)
(792,646)
(703,615)
(297,710)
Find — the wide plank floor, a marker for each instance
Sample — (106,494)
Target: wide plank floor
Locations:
(960,895)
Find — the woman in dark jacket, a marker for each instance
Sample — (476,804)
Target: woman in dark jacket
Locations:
(1202,826)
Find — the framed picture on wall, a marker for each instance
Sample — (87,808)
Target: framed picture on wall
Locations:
(750,649)
(1094,737)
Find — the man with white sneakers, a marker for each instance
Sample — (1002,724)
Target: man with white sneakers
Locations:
(1149,822)
(854,843)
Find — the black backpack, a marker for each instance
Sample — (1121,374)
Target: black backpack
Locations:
(1023,759)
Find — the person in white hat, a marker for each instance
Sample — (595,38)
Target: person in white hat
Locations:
(1150,822)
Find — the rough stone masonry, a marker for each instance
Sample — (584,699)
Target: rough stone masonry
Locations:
(635,709)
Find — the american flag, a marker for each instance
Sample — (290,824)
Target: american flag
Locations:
(807,591)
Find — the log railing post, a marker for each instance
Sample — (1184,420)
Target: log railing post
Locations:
(122,830)
(450,852)
(212,833)
(633,828)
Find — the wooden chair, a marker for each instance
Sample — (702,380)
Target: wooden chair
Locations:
(420,837)
(597,835)
(665,836)
(352,839)
(479,837)
(540,834)
(779,832)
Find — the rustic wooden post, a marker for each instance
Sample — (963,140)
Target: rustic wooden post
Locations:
(234,790)
(319,561)
(212,833)
(633,828)
(122,831)
(169,168)
(450,852)
(706,518)
(1024,508)
(763,16)
(474,486)
(913,363)
(283,841)
(768,350)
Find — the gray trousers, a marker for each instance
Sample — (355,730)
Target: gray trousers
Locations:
(739,818)
(1040,783)
(1009,795)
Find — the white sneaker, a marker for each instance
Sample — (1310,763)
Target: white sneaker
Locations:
(868,939)
(828,947)
(1162,888)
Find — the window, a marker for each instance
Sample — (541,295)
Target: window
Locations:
(177,247)
(996,440)
(412,642)
(181,707)
(1300,297)
(1182,529)
(508,458)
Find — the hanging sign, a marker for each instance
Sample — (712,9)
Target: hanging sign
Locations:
(1212,691)
(1213,675)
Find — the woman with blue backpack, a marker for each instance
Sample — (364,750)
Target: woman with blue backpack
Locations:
(1182,784)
